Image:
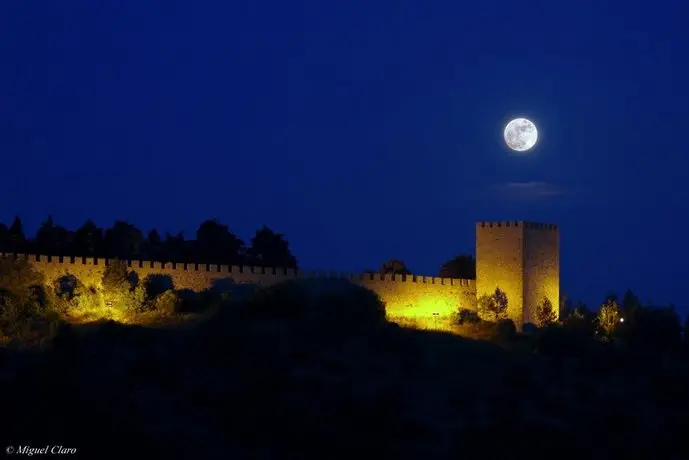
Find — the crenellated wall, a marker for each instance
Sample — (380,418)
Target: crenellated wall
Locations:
(521,258)
(404,295)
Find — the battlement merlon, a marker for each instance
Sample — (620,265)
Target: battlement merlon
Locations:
(516,224)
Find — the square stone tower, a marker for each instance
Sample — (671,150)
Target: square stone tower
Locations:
(523,260)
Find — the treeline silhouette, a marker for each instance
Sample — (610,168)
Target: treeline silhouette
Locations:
(214,244)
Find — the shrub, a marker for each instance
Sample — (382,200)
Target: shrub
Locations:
(579,323)
(167,302)
(285,300)
(26,320)
(19,278)
(86,298)
(328,303)
(137,300)
(116,278)
(466,316)
(28,313)
(353,308)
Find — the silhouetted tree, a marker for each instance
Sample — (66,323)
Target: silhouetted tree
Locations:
(579,320)
(176,248)
(630,303)
(123,240)
(462,266)
(153,246)
(566,306)
(574,319)
(45,236)
(16,241)
(3,238)
(394,267)
(611,297)
(630,311)
(545,313)
(269,249)
(654,328)
(88,240)
(582,308)
(53,239)
(493,307)
(215,244)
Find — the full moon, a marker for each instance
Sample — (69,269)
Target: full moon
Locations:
(520,134)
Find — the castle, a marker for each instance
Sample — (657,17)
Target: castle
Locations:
(521,258)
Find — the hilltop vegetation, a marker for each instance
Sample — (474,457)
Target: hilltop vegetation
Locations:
(312,369)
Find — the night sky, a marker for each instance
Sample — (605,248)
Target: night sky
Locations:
(362,130)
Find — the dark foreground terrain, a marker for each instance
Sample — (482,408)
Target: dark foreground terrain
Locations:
(289,377)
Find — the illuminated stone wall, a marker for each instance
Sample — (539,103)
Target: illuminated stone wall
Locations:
(404,296)
(500,263)
(522,259)
(541,269)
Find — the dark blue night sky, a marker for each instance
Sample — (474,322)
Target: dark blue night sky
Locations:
(364,131)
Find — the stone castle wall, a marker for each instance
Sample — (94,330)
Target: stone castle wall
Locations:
(541,268)
(404,295)
(500,263)
(521,258)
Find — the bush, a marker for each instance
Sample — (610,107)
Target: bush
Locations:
(167,302)
(28,313)
(27,320)
(285,300)
(329,303)
(19,278)
(116,278)
(466,316)
(86,298)
(353,309)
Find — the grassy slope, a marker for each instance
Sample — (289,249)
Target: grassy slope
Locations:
(238,387)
